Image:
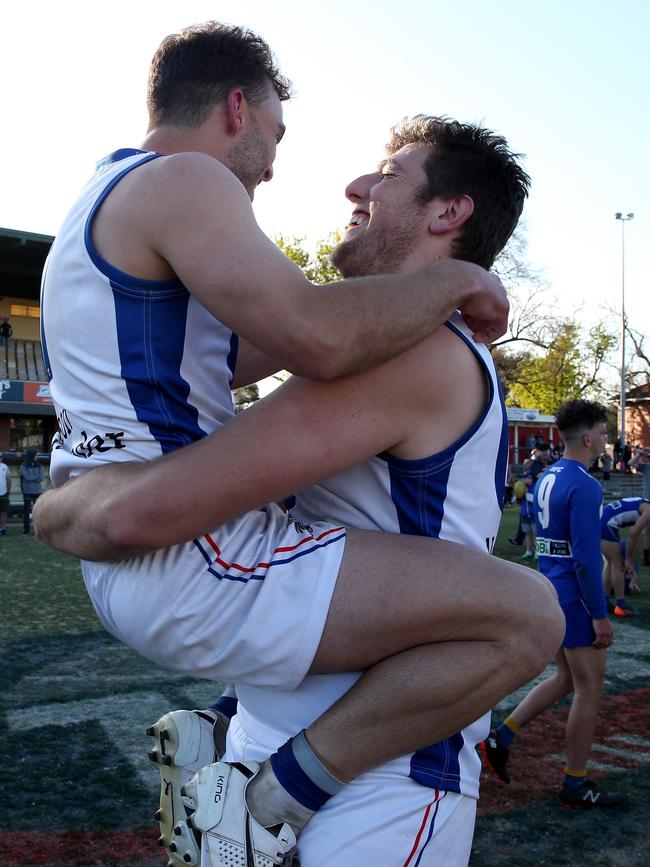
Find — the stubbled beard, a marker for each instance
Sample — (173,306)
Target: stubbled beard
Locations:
(378,250)
(249,159)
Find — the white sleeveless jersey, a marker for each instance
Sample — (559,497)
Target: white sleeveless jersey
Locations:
(137,367)
(454,495)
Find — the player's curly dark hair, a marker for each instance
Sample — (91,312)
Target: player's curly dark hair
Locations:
(194,70)
(575,417)
(470,160)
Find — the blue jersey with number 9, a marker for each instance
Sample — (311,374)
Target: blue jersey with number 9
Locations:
(568,504)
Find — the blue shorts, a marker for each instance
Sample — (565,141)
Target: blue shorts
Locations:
(579,628)
(610,534)
(527,524)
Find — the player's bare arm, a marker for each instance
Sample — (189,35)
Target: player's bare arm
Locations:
(642,523)
(169,208)
(252,365)
(124,509)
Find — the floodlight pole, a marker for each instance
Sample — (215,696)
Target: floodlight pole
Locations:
(623,219)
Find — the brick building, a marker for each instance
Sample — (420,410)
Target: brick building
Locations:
(637,415)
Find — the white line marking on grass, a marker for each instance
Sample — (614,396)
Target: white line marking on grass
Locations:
(634,740)
(632,755)
(123,717)
(591,765)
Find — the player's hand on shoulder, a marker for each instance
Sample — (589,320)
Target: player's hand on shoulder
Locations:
(604,632)
(484,304)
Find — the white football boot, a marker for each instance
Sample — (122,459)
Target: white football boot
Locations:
(186,740)
(232,837)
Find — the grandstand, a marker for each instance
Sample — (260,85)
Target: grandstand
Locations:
(27,418)
(22,360)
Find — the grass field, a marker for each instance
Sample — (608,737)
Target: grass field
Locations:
(78,788)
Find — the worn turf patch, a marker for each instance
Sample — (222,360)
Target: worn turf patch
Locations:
(79,847)
(536,763)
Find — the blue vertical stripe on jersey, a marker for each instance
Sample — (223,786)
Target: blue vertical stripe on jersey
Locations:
(501,467)
(419,499)
(231,361)
(419,495)
(151,338)
(438,767)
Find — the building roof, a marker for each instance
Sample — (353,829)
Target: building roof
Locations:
(22,256)
(639,392)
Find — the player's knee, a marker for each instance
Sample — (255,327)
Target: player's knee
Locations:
(590,689)
(539,625)
(565,682)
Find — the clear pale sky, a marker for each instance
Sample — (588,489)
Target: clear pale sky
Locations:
(566,81)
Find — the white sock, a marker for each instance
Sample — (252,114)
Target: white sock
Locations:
(271,804)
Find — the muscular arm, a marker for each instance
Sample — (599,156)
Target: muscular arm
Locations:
(187,215)
(585,547)
(252,365)
(639,527)
(303,432)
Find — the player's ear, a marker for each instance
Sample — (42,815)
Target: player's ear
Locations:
(449,214)
(235,110)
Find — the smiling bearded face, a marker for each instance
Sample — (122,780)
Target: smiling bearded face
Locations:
(381,245)
(389,221)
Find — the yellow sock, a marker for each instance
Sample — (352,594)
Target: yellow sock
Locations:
(571,773)
(512,724)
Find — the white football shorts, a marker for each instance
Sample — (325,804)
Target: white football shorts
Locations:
(246,603)
(383,818)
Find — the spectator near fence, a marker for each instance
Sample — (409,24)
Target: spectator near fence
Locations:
(5,332)
(31,484)
(5,488)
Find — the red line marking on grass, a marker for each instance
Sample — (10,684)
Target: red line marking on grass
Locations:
(536,777)
(78,847)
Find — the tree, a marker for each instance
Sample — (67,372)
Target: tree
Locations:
(318,269)
(531,303)
(637,352)
(544,359)
(638,361)
(509,364)
(245,396)
(570,367)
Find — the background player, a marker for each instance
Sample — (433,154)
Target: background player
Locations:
(527,516)
(162,280)
(568,502)
(633,512)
